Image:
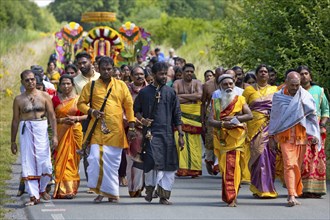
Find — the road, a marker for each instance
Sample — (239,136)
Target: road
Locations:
(198,198)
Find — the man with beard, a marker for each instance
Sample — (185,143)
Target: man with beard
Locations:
(158,108)
(245,155)
(227,117)
(292,119)
(31,110)
(189,91)
(84,64)
(108,139)
(208,88)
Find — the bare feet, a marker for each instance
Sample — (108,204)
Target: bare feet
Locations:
(292,201)
(98,199)
(165,201)
(233,204)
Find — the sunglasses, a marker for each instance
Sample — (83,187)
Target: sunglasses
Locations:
(29,79)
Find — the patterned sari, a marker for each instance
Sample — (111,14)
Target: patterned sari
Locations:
(67,178)
(262,160)
(314,165)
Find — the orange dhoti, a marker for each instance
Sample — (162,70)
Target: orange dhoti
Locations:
(293,156)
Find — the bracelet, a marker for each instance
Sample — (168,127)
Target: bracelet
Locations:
(131,129)
(221,124)
(322,125)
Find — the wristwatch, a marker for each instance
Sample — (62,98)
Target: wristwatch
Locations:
(181,134)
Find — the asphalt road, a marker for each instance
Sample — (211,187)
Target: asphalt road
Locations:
(198,198)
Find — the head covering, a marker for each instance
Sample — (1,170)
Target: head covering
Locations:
(36,69)
(225,76)
(39,80)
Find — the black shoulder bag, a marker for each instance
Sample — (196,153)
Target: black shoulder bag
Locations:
(86,144)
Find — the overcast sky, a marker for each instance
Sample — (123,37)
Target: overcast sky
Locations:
(42,3)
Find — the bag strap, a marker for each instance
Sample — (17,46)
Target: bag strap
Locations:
(91,95)
(89,137)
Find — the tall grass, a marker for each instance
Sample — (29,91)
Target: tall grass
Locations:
(13,38)
(197,51)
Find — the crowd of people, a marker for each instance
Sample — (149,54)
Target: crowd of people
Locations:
(144,125)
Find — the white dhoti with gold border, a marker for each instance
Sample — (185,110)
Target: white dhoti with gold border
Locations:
(35,156)
(104,162)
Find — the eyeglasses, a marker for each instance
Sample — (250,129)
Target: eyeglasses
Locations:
(29,79)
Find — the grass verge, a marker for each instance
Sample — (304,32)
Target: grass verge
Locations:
(11,65)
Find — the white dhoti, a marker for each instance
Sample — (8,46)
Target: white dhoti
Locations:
(35,156)
(134,178)
(104,162)
(165,179)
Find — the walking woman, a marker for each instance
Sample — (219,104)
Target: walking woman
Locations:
(70,138)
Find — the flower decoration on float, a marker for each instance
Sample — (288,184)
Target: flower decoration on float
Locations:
(103,41)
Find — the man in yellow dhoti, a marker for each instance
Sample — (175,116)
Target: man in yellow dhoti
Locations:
(189,91)
(229,111)
(109,137)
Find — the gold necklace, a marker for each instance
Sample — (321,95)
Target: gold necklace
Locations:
(261,96)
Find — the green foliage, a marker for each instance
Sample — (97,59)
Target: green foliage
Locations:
(27,15)
(281,33)
(15,37)
(68,10)
(169,30)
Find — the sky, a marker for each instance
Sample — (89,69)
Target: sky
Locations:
(42,3)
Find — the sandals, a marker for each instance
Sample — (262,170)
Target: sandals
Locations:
(33,201)
(98,199)
(113,200)
(45,196)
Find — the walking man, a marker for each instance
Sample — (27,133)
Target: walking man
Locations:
(229,111)
(293,117)
(109,137)
(158,108)
(31,110)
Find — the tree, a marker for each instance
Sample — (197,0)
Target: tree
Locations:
(280,33)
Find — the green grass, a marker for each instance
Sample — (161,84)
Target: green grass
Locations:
(6,157)
(11,65)
(11,38)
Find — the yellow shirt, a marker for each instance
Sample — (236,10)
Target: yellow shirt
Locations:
(80,81)
(119,100)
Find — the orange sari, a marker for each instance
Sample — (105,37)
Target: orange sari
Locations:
(70,137)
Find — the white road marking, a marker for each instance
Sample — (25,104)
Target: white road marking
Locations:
(58,217)
(49,204)
(53,210)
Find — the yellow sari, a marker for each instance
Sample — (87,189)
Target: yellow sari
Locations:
(262,158)
(67,178)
